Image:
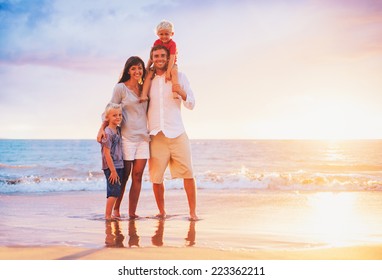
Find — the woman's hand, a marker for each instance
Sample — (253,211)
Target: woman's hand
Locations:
(100,135)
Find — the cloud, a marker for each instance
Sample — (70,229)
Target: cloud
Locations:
(251,60)
(70,33)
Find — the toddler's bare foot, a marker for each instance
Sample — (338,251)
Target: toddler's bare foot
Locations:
(175,89)
(143,99)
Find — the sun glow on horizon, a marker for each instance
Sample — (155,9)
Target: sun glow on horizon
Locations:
(335,219)
(331,118)
(328,118)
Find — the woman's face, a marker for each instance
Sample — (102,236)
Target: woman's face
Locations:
(136,72)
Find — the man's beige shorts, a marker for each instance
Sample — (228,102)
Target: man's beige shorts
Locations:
(173,152)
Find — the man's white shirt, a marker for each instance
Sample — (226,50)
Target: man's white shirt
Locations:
(164,113)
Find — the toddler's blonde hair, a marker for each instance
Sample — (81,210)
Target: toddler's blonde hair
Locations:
(165,25)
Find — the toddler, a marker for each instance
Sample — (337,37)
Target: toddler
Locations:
(165,31)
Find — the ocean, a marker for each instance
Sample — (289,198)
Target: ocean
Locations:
(41,166)
(252,195)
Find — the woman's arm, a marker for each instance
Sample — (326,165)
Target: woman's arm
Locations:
(115,98)
(101,131)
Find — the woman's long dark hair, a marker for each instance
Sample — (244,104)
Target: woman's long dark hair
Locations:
(132,61)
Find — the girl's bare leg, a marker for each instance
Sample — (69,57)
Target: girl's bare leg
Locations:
(109,207)
(126,174)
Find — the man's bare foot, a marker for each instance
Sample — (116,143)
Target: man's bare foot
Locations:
(193,218)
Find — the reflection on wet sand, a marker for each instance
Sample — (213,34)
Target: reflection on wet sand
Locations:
(114,236)
(157,239)
(190,239)
(133,236)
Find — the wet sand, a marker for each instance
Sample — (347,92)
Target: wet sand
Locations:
(234,224)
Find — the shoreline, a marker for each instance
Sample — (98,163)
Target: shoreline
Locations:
(193,253)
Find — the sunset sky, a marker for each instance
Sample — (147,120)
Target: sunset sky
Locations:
(260,69)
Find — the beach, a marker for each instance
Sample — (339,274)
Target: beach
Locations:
(168,253)
(233,225)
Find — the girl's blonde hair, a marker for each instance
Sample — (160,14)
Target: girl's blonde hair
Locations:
(111,106)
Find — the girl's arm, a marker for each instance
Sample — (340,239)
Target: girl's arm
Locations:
(114,175)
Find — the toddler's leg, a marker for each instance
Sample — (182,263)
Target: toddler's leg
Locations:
(145,90)
(146,86)
(174,79)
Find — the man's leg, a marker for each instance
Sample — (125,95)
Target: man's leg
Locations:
(159,198)
(159,158)
(190,188)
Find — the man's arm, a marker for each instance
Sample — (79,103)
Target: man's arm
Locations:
(185,91)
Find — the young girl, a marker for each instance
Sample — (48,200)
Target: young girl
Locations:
(112,162)
(165,31)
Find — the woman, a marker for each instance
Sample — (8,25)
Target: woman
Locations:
(135,137)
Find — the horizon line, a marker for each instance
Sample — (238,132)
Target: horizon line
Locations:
(233,139)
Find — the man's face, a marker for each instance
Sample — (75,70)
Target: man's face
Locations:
(160,59)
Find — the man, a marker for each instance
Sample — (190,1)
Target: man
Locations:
(169,144)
